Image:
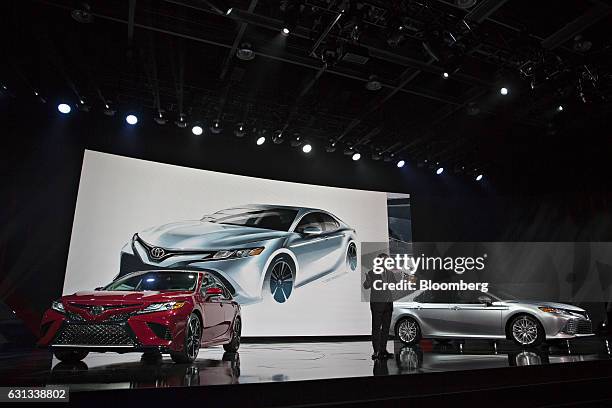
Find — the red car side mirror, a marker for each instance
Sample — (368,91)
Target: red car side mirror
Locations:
(213,291)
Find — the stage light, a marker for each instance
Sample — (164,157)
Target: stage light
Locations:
(261,140)
(131,119)
(108,111)
(181,122)
(401,163)
(285,31)
(440,170)
(445,75)
(503,91)
(35,93)
(229,11)
(307,148)
(160,119)
(331,147)
(216,127)
(356,156)
(560,108)
(239,130)
(197,130)
(64,108)
(373,83)
(479,177)
(82,102)
(245,52)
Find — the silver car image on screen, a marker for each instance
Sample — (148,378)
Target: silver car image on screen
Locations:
(258,251)
(476,314)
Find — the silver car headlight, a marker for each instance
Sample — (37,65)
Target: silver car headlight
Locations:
(552,310)
(58,306)
(162,307)
(237,253)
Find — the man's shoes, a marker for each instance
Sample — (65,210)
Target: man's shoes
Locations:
(385,354)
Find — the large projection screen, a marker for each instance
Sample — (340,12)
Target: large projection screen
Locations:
(119,197)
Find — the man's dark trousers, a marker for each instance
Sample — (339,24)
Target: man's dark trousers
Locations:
(381,322)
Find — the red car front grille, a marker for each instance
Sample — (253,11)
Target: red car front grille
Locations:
(94,335)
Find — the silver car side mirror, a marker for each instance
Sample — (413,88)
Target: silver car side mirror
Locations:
(312,230)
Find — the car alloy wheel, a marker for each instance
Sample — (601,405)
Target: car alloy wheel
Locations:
(281,281)
(351,256)
(192,343)
(234,344)
(525,330)
(408,331)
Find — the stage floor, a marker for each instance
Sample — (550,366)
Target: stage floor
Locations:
(281,362)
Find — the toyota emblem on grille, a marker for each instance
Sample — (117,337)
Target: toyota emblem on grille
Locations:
(157,252)
(96,310)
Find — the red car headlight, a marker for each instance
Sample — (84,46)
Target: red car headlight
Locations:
(161,307)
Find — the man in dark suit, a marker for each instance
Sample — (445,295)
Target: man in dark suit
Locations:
(381,307)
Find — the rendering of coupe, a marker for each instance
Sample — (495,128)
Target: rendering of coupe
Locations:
(257,251)
(152,312)
(475,314)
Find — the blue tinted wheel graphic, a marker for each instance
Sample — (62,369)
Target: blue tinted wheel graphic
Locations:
(351,256)
(280,279)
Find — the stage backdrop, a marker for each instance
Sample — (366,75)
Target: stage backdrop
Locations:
(120,196)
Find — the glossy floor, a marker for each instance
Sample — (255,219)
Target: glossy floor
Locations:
(273,362)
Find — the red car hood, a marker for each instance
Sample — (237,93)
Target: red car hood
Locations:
(103,297)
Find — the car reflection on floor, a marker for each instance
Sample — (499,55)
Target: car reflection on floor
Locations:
(473,355)
(157,373)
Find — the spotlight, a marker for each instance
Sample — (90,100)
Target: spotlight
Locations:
(261,140)
(479,177)
(285,31)
(356,156)
(64,108)
(216,127)
(278,137)
(35,93)
(245,52)
(160,119)
(181,122)
(445,75)
(503,91)
(373,84)
(307,148)
(229,11)
(331,147)
(560,108)
(108,111)
(296,141)
(84,15)
(197,130)
(131,119)
(240,130)
(401,163)
(440,170)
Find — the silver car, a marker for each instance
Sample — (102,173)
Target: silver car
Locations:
(476,314)
(257,251)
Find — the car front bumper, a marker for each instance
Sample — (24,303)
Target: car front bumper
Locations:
(164,331)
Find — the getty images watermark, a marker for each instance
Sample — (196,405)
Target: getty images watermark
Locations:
(409,265)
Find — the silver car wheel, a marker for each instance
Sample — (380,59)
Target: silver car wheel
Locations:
(281,281)
(351,256)
(193,338)
(407,331)
(525,330)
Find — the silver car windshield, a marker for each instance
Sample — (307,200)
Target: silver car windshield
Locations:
(157,281)
(278,219)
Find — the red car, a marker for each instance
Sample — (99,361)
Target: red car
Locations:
(153,312)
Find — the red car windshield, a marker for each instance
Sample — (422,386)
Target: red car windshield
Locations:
(157,281)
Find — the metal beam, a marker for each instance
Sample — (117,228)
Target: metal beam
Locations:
(483,10)
(237,40)
(131,16)
(575,27)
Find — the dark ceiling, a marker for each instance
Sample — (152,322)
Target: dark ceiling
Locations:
(179,58)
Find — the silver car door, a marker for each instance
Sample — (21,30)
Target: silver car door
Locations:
(473,318)
(434,310)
